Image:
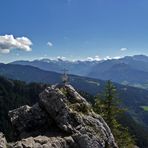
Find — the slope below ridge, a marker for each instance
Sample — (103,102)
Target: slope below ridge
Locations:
(122,72)
(141,57)
(28,73)
(102,67)
(137,62)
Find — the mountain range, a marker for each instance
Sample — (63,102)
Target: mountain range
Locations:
(129,70)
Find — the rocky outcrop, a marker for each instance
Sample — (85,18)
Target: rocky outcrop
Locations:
(29,121)
(61,119)
(3,142)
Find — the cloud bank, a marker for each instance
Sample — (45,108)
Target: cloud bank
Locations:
(9,42)
(96,58)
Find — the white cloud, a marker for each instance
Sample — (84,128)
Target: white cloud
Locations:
(9,42)
(96,58)
(110,58)
(49,44)
(123,49)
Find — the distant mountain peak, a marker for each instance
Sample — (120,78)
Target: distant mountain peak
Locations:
(141,57)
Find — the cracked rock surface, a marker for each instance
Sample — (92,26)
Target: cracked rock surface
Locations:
(61,119)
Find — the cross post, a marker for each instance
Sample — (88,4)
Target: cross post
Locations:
(65,76)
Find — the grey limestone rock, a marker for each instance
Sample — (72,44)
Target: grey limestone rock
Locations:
(72,114)
(61,119)
(3,142)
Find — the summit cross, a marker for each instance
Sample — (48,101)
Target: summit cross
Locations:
(65,76)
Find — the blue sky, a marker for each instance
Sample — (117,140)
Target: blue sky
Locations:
(75,29)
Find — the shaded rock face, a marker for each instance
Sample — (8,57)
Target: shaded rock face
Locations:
(29,121)
(61,119)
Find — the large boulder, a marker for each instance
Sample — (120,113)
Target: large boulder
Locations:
(29,121)
(61,119)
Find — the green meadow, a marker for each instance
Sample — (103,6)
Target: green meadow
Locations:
(145,108)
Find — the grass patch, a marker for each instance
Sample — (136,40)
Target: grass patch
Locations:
(145,108)
(93,82)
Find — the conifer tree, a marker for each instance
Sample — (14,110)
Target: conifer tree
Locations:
(108,107)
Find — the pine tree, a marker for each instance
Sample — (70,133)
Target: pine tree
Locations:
(108,107)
